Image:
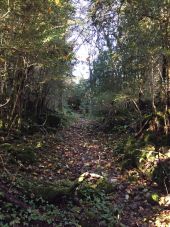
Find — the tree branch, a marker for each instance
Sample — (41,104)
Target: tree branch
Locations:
(2,105)
(1,18)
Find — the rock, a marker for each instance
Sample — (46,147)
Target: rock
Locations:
(127,197)
(51,192)
(64,189)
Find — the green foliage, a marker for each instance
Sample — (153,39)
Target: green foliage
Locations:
(99,210)
(51,192)
(38,212)
(34,51)
(88,188)
(92,193)
(136,154)
(150,160)
(117,109)
(77,96)
(130,53)
(93,207)
(153,199)
(102,77)
(156,139)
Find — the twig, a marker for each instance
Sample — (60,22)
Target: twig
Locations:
(2,105)
(2,161)
(136,105)
(142,129)
(5,15)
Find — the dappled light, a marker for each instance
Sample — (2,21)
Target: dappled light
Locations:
(84,113)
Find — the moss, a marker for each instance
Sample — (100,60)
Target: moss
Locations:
(51,192)
(65,189)
(93,185)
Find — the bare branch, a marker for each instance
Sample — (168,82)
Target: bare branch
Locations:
(2,105)
(5,15)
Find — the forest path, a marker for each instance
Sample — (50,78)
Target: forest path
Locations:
(84,149)
(81,148)
(74,150)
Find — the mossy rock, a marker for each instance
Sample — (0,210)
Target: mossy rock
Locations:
(64,189)
(161,174)
(25,155)
(90,188)
(51,192)
(94,184)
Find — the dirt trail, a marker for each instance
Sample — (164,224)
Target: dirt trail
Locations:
(83,148)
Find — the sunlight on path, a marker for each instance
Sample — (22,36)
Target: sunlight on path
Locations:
(85,151)
(82,148)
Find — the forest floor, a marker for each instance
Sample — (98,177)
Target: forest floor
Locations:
(81,148)
(86,149)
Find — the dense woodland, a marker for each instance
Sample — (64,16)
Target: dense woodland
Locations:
(94,153)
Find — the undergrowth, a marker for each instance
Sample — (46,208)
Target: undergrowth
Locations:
(89,208)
